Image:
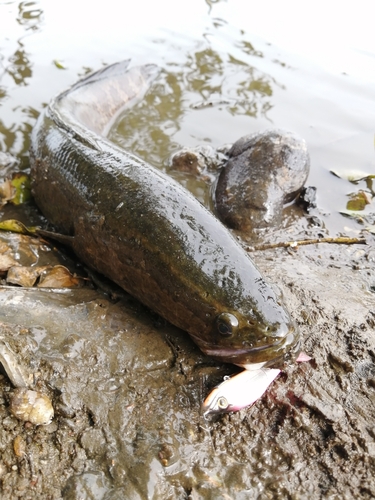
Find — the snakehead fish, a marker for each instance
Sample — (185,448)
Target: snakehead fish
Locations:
(139,227)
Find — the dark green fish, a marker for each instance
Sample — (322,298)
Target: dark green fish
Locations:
(147,233)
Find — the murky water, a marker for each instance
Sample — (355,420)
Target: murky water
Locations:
(228,69)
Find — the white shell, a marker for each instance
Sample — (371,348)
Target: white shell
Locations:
(31,406)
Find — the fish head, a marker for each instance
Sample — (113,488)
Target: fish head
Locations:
(252,336)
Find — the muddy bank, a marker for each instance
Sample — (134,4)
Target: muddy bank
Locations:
(127,389)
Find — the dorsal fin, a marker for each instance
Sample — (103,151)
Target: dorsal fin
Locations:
(96,101)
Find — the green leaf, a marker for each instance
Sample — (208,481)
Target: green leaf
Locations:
(358,201)
(59,64)
(21,183)
(16,226)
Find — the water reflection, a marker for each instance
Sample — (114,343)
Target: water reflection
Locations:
(17,66)
(20,66)
(220,80)
(30,17)
(194,80)
(17,136)
(206,76)
(210,3)
(205,79)
(248,48)
(147,129)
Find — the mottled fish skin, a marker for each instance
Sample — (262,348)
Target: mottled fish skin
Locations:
(139,227)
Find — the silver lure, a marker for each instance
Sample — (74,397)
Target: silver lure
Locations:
(239,391)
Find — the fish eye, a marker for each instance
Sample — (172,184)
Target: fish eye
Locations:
(226,324)
(222,403)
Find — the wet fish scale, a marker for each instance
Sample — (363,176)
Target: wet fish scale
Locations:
(145,231)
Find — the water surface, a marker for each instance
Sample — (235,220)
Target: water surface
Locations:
(229,68)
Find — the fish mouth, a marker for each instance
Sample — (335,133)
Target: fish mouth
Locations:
(274,354)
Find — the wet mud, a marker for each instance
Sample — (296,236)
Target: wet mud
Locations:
(126,389)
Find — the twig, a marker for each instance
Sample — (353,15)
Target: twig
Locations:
(293,244)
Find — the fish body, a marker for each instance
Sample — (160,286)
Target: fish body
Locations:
(146,232)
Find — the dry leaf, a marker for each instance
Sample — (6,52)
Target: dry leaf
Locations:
(24,275)
(19,446)
(59,277)
(4,247)
(358,201)
(6,262)
(7,191)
